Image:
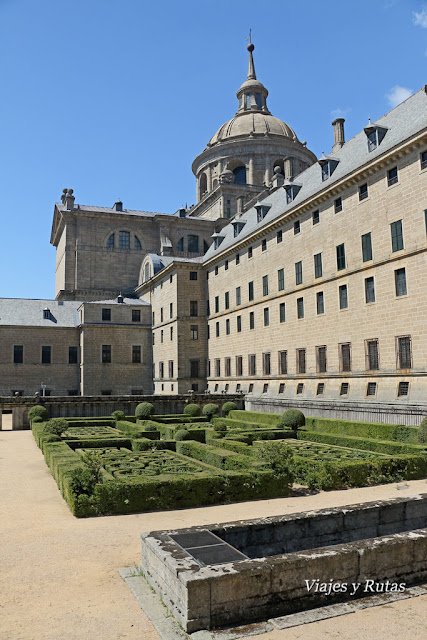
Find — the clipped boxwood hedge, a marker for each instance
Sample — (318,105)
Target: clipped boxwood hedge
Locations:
(374,430)
(368,444)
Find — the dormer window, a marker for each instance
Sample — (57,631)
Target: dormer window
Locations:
(217,240)
(328,167)
(262,210)
(238,226)
(46,314)
(375,135)
(292,191)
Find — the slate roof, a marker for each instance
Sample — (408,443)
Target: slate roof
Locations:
(127,212)
(126,301)
(29,313)
(403,122)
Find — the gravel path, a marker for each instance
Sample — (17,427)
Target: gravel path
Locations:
(59,578)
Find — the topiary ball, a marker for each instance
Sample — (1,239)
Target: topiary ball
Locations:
(192,410)
(182,434)
(38,410)
(144,410)
(293,419)
(227,407)
(56,426)
(210,410)
(118,415)
(422,433)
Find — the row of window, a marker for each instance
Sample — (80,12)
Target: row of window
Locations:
(46,354)
(73,392)
(372,360)
(344,388)
(193,369)
(343,301)
(397,244)
(106,315)
(123,242)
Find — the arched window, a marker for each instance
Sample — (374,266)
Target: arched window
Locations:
(239,175)
(110,242)
(180,245)
(203,184)
(193,244)
(137,244)
(147,271)
(214,183)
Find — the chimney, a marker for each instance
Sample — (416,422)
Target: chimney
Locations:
(118,205)
(339,138)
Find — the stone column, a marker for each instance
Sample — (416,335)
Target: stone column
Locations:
(250,179)
(289,168)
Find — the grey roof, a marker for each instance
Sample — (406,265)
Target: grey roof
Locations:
(403,122)
(29,313)
(126,301)
(127,212)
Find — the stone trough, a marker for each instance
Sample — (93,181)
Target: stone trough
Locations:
(241,572)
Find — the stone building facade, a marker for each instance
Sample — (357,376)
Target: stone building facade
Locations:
(291,278)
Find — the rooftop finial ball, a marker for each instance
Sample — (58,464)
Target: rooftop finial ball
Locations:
(250,47)
(277,169)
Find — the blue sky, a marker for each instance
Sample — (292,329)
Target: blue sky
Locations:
(116,98)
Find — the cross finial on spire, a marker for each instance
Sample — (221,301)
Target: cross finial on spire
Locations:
(250,48)
(250,35)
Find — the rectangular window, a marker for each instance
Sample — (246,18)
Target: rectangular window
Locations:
(106,353)
(281,279)
(72,355)
(161,370)
(239,366)
(282,387)
(300,308)
(193,275)
(251,291)
(392,176)
(372,389)
(194,331)
(18,354)
(251,320)
(171,310)
(237,258)
(106,315)
(217,329)
(279,236)
(227,327)
(46,355)
(216,304)
(298,272)
(344,389)
(264,245)
(320,388)
(396,236)
(366,247)
(250,252)
(124,240)
(297,227)
(318,265)
(251,388)
(372,355)
(320,303)
(345,356)
(193,244)
(238,296)
(300,360)
(161,314)
(252,364)
(316,216)
(265,285)
(283,362)
(136,354)
(300,387)
(266,317)
(216,270)
(343,296)
(170,368)
(340,257)
(363,191)
(424,160)
(265,388)
(266,364)
(194,368)
(404,359)
(282,312)
(194,308)
(403,389)
(321,359)
(226,265)
(239,324)
(171,333)
(338,205)
(400,282)
(136,315)
(228,367)
(227,299)
(369,289)
(161,336)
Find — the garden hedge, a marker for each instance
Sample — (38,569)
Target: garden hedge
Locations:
(368,444)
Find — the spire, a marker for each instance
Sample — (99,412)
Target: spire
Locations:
(251,68)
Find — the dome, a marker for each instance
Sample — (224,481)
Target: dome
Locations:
(252,123)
